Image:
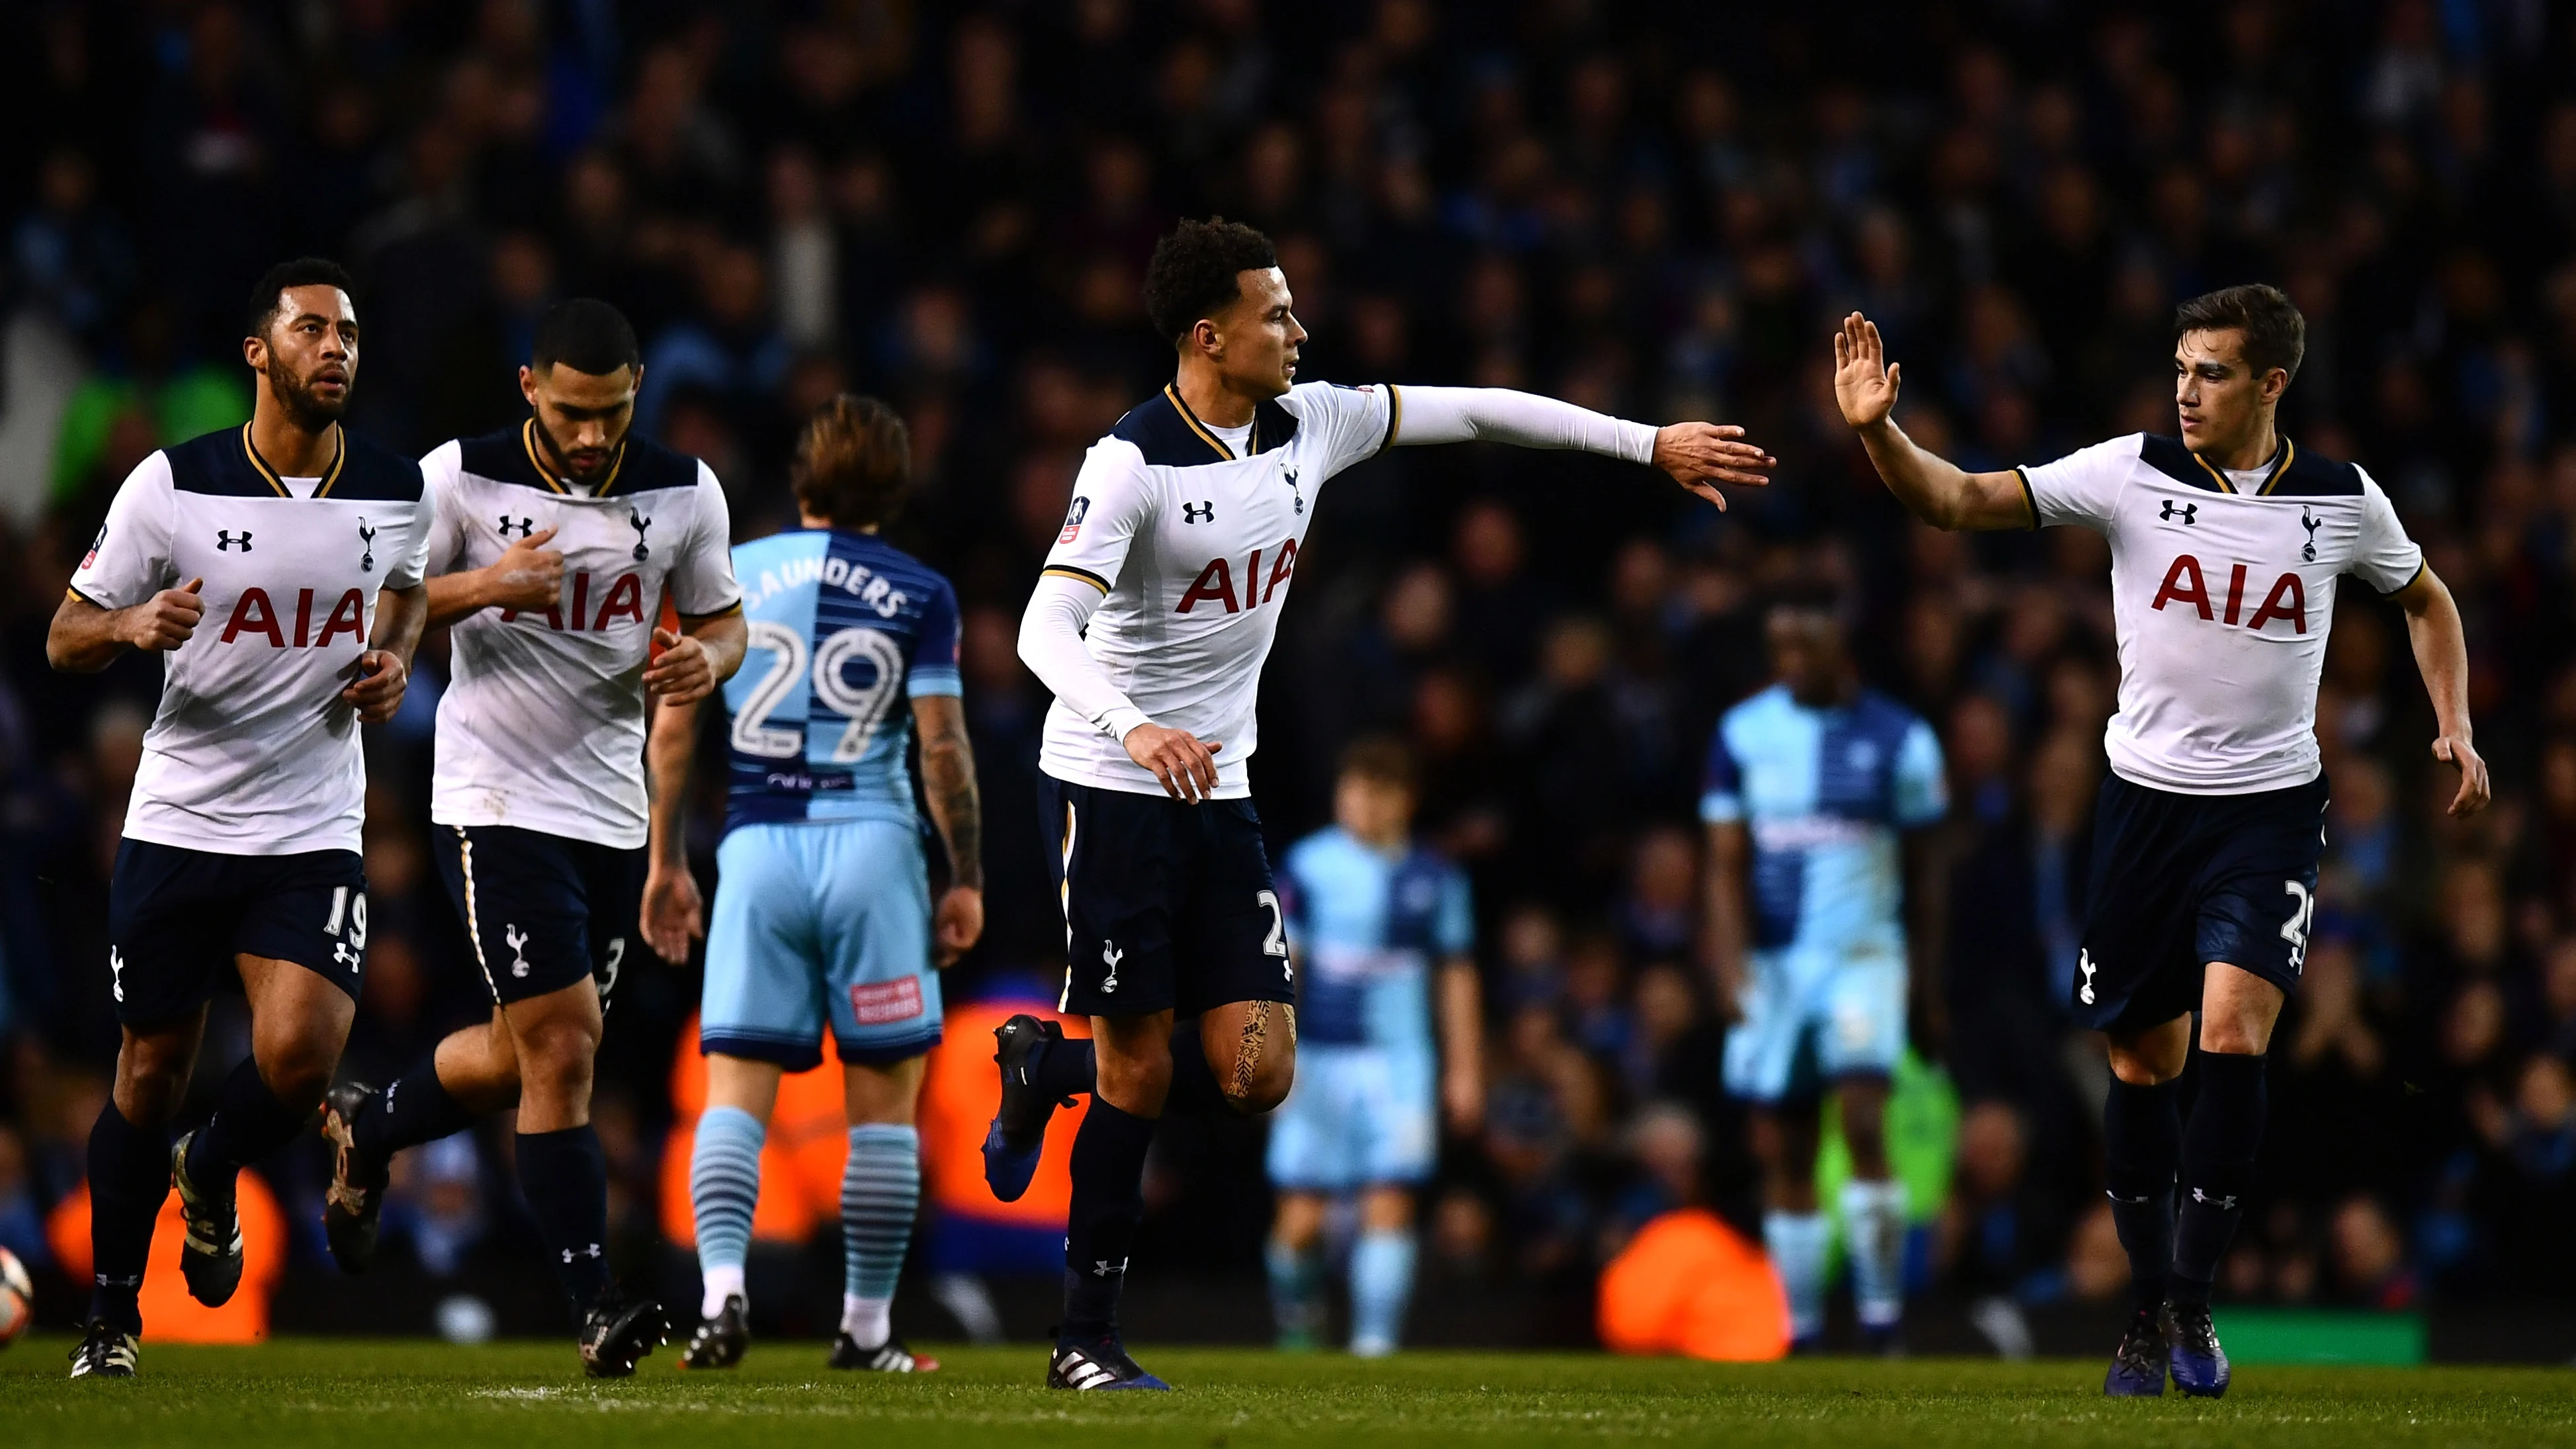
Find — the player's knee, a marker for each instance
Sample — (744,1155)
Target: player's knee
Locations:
(2235,1037)
(1129,1078)
(151,1080)
(555,1059)
(297,1072)
(2143,1069)
(1253,1086)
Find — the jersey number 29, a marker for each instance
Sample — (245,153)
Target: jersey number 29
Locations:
(864,707)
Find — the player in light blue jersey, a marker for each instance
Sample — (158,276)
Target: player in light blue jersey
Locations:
(823,913)
(1817,794)
(1383,927)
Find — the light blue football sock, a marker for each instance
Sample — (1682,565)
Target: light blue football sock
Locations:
(1797,1242)
(1381,1289)
(880,1193)
(724,1187)
(1296,1296)
(1874,1235)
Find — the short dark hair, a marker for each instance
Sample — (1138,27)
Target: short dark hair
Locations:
(1382,760)
(1195,270)
(2275,332)
(853,462)
(301,272)
(586,335)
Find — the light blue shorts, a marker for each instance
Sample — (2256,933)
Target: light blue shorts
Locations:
(1812,1018)
(1357,1116)
(814,923)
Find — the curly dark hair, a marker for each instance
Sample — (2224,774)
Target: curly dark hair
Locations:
(2276,332)
(266,301)
(853,462)
(1193,274)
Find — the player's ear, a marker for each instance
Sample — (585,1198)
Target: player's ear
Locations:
(255,352)
(528,383)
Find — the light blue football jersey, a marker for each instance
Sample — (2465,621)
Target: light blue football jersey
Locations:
(1369,925)
(1824,794)
(846,629)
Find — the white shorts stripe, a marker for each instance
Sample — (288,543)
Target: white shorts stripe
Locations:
(473,927)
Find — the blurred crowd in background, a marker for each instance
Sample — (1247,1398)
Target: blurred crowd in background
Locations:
(1650,209)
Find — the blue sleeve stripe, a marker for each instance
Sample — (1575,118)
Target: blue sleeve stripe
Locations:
(932,680)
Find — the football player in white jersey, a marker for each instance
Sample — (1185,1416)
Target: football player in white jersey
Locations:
(2226,545)
(554,544)
(1150,624)
(301,549)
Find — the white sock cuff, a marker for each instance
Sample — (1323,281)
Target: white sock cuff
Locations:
(868,1321)
(722,1282)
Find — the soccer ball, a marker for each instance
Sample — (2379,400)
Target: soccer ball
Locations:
(17,1298)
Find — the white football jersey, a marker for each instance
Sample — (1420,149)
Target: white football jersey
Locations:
(542,725)
(2222,590)
(1194,547)
(252,751)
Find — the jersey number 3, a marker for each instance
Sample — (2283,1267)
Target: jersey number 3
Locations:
(863,706)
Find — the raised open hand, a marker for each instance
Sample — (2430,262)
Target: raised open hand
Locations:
(1864,385)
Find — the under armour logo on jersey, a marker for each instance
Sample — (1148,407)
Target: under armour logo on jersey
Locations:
(2190,512)
(525,526)
(2311,523)
(1288,474)
(2225,1204)
(1199,512)
(115,981)
(367,542)
(1104,1268)
(224,540)
(2084,963)
(639,523)
(1110,955)
(590,1252)
(517,941)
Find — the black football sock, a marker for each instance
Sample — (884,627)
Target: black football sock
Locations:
(249,1124)
(413,1108)
(129,1175)
(565,1176)
(2217,1169)
(2142,1150)
(1194,1090)
(1108,1201)
(1066,1067)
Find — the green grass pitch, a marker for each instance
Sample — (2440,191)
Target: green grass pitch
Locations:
(380,1394)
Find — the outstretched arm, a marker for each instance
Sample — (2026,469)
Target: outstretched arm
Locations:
(1933,489)
(1699,456)
(2442,657)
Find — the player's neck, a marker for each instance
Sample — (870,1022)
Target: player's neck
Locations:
(287,447)
(816,520)
(1204,389)
(2258,449)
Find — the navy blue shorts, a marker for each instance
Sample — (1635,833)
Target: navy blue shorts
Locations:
(543,911)
(176,918)
(1167,905)
(2183,880)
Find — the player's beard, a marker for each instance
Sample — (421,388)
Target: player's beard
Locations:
(561,456)
(305,406)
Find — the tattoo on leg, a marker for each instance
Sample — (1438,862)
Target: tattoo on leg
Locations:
(1247,1052)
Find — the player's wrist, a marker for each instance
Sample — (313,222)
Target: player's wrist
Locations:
(1122,721)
